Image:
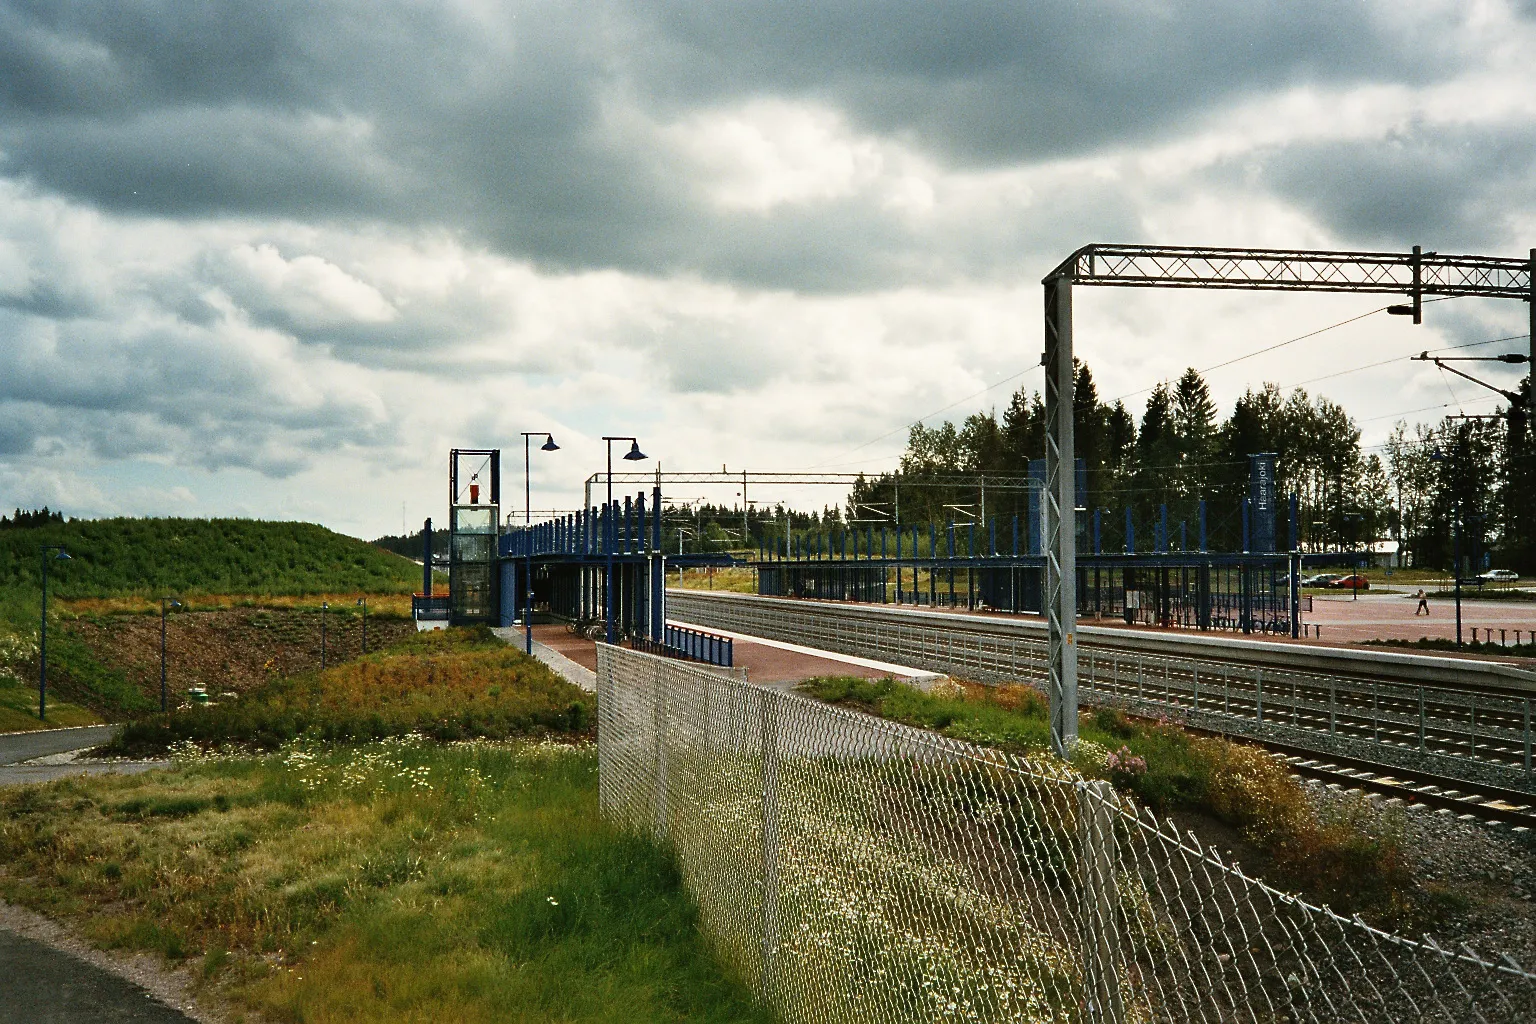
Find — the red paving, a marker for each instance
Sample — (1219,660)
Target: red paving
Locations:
(1390,617)
(764,664)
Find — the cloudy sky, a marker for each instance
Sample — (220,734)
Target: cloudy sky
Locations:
(275,259)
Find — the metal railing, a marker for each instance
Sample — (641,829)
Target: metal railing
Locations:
(1483,738)
(429,609)
(852,869)
(689,644)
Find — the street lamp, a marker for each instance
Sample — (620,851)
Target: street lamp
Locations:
(165,603)
(548,446)
(633,455)
(362,603)
(324,607)
(42,633)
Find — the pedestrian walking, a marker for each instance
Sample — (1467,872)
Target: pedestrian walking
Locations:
(1423,603)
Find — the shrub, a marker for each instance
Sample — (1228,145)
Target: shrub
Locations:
(459,684)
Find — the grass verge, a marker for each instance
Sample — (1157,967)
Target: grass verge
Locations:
(1338,857)
(1425,643)
(446,684)
(400,880)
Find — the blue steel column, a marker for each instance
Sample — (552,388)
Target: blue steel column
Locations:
(1060,515)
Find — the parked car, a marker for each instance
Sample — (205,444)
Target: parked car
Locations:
(1499,576)
(1355,582)
(1322,579)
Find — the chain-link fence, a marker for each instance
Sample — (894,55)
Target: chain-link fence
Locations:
(853,869)
(1483,738)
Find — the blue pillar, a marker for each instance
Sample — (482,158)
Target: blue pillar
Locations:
(1098,534)
(1162,531)
(1202,524)
(1245,528)
(1130,532)
(1015,536)
(1295,504)
(1183,535)
(992,536)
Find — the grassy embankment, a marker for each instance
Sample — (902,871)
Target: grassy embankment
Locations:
(124,566)
(401,879)
(1343,858)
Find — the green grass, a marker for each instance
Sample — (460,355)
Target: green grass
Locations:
(151,557)
(1527,650)
(447,684)
(18,710)
(1330,858)
(394,881)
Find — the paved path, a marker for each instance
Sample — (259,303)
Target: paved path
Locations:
(45,755)
(40,985)
(24,746)
(1391,616)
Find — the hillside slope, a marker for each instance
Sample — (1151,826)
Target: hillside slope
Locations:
(150,557)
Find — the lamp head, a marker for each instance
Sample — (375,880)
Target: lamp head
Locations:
(549,444)
(325,606)
(634,454)
(362,602)
(63,556)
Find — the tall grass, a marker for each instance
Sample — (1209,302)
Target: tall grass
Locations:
(394,881)
(1329,856)
(448,685)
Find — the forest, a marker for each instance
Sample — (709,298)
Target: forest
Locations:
(1412,489)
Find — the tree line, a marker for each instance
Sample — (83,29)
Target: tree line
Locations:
(1413,489)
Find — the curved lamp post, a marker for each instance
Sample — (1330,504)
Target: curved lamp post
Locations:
(362,603)
(548,446)
(42,633)
(633,455)
(324,607)
(165,604)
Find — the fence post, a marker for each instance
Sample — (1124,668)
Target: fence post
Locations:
(768,729)
(1422,725)
(1099,913)
(659,684)
(1527,727)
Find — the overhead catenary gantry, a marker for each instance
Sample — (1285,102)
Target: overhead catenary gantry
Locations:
(1414,275)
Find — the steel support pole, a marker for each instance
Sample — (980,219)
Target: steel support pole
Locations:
(608,537)
(1060,516)
(42,649)
(163,698)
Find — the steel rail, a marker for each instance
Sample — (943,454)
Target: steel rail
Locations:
(1472,736)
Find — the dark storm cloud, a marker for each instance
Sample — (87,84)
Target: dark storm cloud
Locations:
(499,127)
(1452,190)
(1002,81)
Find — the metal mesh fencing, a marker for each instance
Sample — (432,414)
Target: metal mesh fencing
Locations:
(856,870)
(1475,737)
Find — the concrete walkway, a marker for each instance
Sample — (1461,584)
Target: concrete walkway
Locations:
(577,675)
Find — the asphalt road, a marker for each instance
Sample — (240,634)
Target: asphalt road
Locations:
(20,748)
(39,985)
(24,746)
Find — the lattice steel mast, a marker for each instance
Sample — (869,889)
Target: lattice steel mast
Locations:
(1414,274)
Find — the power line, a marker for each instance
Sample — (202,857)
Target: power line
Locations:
(1394,359)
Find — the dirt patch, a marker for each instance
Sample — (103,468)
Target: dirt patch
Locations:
(231,650)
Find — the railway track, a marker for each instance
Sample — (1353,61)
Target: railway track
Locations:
(1469,803)
(1450,724)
